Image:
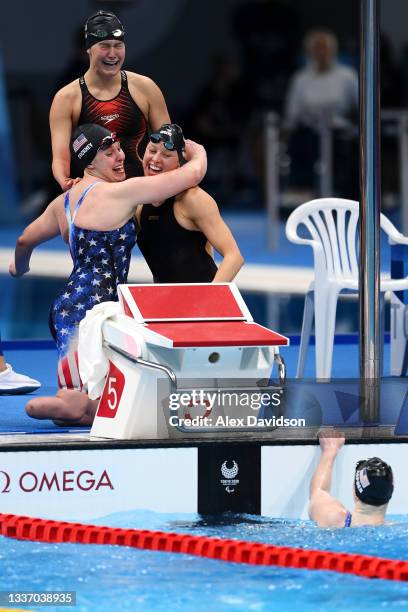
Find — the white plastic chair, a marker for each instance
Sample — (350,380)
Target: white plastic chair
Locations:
(332,226)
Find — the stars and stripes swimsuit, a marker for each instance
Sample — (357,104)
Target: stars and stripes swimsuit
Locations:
(101,261)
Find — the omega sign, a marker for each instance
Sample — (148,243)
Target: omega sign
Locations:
(63,481)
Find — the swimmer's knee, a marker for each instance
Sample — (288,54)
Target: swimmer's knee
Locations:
(30,409)
(34,407)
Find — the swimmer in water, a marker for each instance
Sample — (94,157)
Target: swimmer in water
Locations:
(372,490)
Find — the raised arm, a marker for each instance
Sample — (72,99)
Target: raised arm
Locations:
(141,190)
(42,229)
(325,509)
(203,211)
(61,128)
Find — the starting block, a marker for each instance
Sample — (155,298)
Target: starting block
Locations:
(168,334)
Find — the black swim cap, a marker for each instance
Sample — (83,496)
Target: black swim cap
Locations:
(103,25)
(374,482)
(87,140)
(171,135)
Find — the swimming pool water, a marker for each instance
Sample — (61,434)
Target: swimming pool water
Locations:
(108,578)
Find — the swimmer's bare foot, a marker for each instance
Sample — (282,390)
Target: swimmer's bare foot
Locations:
(68,407)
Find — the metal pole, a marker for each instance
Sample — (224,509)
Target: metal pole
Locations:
(370,190)
(272,178)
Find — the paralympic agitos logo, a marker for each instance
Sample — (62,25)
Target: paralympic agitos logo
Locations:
(63,481)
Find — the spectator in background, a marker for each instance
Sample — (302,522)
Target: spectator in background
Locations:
(323,89)
(127,103)
(12,383)
(323,94)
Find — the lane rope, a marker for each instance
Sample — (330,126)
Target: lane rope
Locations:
(235,551)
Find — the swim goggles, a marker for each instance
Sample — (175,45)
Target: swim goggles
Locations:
(172,140)
(166,139)
(104,33)
(108,141)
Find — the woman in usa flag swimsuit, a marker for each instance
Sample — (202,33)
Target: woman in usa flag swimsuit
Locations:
(96,218)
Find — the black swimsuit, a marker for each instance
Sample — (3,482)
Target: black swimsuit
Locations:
(173,253)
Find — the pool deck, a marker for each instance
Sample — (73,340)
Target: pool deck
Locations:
(334,403)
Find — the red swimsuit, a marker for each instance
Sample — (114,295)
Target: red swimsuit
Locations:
(121,115)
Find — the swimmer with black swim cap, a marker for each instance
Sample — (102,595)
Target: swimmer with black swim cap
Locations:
(171,135)
(127,103)
(373,482)
(103,25)
(373,488)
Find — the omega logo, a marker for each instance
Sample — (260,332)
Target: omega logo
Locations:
(66,480)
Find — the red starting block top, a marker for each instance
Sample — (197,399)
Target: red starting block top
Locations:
(217,333)
(184,302)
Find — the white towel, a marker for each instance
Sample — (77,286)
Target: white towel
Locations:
(92,361)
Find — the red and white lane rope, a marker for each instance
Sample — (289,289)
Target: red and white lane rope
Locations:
(235,551)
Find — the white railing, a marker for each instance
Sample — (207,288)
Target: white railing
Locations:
(395,123)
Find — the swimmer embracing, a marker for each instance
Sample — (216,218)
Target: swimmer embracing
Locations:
(96,217)
(177,236)
(372,489)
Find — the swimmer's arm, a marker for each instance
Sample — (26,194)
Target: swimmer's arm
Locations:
(157,112)
(42,229)
(325,509)
(141,190)
(61,128)
(203,211)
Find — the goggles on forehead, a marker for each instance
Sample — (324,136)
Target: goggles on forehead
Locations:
(166,139)
(103,34)
(169,143)
(108,141)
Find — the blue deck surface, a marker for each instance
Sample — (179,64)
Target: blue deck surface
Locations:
(319,403)
(19,319)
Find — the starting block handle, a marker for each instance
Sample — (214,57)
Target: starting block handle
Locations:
(148,364)
(173,383)
(281,368)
